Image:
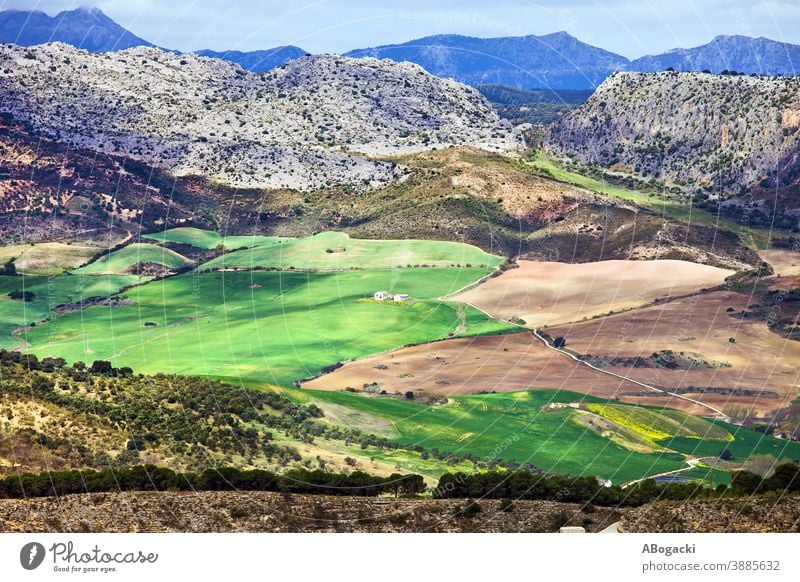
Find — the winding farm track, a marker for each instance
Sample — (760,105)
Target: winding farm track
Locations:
(691,464)
(717,412)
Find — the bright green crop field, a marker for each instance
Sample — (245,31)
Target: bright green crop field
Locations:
(270,326)
(49,293)
(513,426)
(208,239)
(123,259)
(329,251)
(509,426)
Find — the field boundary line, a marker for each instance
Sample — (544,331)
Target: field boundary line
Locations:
(721,415)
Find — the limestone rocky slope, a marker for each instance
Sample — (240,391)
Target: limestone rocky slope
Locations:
(719,134)
(293,127)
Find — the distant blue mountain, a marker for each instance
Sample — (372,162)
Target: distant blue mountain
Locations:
(552,61)
(258,61)
(555,61)
(738,53)
(86,28)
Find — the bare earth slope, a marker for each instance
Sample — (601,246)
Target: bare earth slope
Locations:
(543,293)
(757,370)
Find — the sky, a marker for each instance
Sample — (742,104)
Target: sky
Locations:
(628,27)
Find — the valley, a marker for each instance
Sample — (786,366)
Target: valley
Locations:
(402,271)
(450,374)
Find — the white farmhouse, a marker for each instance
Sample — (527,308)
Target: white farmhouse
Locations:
(383,296)
(401,297)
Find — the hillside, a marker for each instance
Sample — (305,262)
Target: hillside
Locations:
(551,61)
(708,134)
(86,28)
(67,193)
(291,127)
(534,106)
(64,194)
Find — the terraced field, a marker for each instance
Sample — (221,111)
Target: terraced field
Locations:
(121,261)
(330,251)
(271,326)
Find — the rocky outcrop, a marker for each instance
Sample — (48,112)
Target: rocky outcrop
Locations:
(295,127)
(702,132)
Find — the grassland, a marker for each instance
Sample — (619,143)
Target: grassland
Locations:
(50,292)
(514,426)
(337,251)
(120,261)
(755,238)
(744,444)
(47,258)
(208,239)
(271,326)
(509,426)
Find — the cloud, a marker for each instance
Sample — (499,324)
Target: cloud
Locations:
(628,27)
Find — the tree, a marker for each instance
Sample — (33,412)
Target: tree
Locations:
(18,295)
(559,342)
(102,367)
(412,485)
(410,395)
(9,268)
(726,455)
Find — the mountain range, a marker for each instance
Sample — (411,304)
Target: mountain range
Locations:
(555,61)
(305,126)
(86,28)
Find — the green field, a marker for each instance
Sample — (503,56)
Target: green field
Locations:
(745,443)
(270,326)
(513,426)
(647,426)
(756,238)
(120,261)
(508,426)
(208,239)
(48,258)
(329,251)
(50,292)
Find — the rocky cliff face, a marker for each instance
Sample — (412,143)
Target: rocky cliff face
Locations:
(295,127)
(700,131)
